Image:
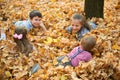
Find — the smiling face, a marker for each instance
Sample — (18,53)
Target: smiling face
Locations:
(76,25)
(36,21)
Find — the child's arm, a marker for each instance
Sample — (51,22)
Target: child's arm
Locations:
(93,25)
(69,29)
(3,35)
(43,26)
(72,52)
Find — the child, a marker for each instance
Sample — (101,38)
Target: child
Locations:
(80,26)
(80,53)
(22,27)
(34,21)
(2,35)
(23,44)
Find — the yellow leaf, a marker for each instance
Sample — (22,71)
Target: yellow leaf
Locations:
(49,40)
(1,0)
(55,40)
(53,0)
(63,77)
(59,34)
(43,76)
(7,73)
(116,47)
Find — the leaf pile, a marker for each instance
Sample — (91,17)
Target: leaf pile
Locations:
(105,64)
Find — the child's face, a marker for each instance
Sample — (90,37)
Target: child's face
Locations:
(76,25)
(36,21)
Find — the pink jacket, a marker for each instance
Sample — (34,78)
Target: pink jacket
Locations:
(83,56)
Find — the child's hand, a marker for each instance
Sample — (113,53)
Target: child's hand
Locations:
(43,33)
(43,26)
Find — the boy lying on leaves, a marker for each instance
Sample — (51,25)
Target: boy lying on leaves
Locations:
(35,20)
(79,54)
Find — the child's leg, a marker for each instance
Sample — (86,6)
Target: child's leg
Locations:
(67,64)
(64,61)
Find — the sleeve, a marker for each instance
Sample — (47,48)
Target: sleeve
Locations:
(93,25)
(23,24)
(72,52)
(69,29)
(86,56)
(3,36)
(19,23)
(81,33)
(79,37)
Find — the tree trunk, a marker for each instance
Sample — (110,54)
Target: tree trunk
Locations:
(94,8)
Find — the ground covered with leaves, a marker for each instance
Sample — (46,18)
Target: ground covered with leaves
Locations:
(105,64)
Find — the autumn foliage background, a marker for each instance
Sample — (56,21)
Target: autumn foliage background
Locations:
(105,64)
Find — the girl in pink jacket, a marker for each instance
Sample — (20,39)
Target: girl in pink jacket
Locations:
(80,53)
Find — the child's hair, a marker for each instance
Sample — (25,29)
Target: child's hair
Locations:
(82,20)
(35,13)
(21,30)
(88,43)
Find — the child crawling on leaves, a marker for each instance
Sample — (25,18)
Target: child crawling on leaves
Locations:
(80,53)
